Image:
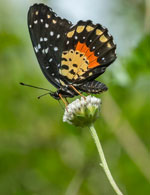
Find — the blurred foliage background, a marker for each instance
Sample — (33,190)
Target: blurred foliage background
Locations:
(41,155)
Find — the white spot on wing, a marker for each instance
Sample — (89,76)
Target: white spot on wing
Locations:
(76,37)
(36,49)
(41,20)
(55,48)
(35,22)
(46,50)
(67,42)
(30,26)
(41,39)
(58,36)
(47,67)
(39,46)
(56,80)
(53,74)
(45,39)
(51,33)
(50,60)
(46,25)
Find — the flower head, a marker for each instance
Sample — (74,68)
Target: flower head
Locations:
(82,112)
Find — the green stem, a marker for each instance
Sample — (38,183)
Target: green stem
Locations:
(103,160)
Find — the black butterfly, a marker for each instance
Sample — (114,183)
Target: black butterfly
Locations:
(70,56)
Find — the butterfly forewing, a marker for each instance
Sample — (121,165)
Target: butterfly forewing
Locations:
(48,34)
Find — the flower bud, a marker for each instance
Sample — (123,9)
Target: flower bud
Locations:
(82,112)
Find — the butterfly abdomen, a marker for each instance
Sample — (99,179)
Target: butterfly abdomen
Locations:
(93,87)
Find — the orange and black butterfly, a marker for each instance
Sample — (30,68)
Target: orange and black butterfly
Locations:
(70,56)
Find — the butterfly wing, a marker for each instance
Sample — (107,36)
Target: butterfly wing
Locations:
(47,32)
(88,51)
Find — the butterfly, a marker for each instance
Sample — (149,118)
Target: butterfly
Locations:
(70,56)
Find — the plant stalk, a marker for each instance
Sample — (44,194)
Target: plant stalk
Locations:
(103,161)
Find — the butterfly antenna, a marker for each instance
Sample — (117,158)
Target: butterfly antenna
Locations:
(35,87)
(42,95)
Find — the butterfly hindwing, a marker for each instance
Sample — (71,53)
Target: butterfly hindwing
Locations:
(47,33)
(88,50)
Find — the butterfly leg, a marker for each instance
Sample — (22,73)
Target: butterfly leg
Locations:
(77,91)
(66,104)
(66,100)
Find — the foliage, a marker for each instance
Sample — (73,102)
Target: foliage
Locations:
(39,154)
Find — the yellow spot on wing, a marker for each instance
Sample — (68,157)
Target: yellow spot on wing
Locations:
(36,13)
(48,16)
(70,76)
(62,82)
(76,63)
(103,39)
(99,32)
(70,34)
(89,28)
(76,77)
(64,72)
(54,21)
(109,45)
(80,29)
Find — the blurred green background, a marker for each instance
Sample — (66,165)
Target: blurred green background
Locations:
(41,155)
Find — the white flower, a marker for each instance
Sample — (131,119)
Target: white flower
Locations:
(82,112)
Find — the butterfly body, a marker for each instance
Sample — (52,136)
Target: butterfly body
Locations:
(70,56)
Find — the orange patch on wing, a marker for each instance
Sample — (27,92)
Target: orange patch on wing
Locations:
(93,64)
(90,55)
(79,46)
(92,58)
